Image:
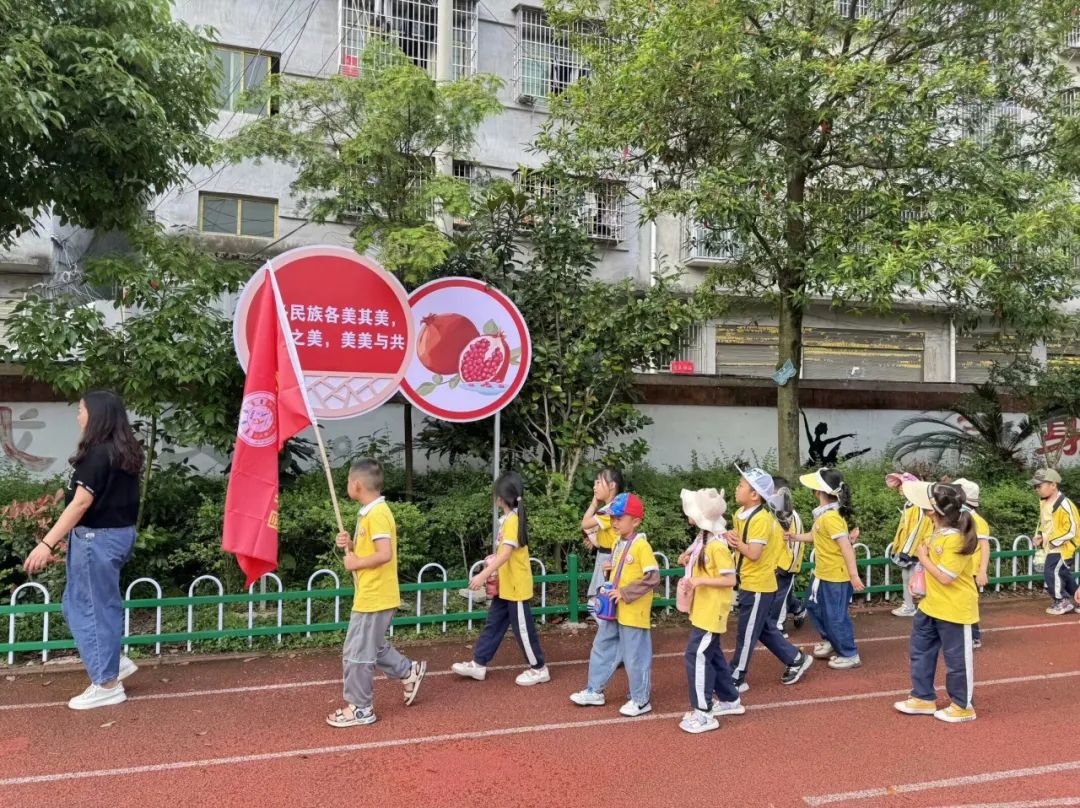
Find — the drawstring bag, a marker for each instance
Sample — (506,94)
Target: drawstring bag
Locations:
(605,606)
(917,584)
(1038,563)
(684,593)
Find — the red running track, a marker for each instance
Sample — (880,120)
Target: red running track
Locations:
(237,733)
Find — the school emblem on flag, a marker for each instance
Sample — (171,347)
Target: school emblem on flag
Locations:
(258,422)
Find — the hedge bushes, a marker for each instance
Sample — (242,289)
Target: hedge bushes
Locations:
(449,520)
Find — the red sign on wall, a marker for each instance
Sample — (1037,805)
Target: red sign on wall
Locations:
(350,321)
(682,366)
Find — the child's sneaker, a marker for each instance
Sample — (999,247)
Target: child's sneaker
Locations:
(905,611)
(587,698)
(795,671)
(632,709)
(127,667)
(799,618)
(98,696)
(728,708)
(470,670)
(413,680)
(844,663)
(741,685)
(823,650)
(533,676)
(698,722)
(976,644)
(1060,608)
(955,715)
(914,706)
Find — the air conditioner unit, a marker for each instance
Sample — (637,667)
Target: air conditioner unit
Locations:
(526,99)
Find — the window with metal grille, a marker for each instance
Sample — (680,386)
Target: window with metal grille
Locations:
(982,121)
(241,72)
(1072,39)
(710,242)
(599,208)
(411,26)
(689,347)
(545,61)
(463,57)
(862,8)
(237,215)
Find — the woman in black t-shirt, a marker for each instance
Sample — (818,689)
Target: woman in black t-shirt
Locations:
(99,527)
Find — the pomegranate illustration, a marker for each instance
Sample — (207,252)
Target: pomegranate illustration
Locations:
(443,338)
(484,361)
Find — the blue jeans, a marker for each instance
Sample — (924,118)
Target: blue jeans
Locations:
(930,636)
(828,607)
(632,646)
(92,605)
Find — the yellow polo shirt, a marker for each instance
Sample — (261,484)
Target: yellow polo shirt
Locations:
(376,587)
(915,528)
(712,604)
(515,576)
(639,560)
(958,601)
(758,526)
(1058,524)
(606,536)
(982,530)
(829,527)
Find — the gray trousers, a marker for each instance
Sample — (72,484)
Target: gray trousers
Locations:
(366,648)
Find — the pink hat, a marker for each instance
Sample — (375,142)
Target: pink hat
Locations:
(898,478)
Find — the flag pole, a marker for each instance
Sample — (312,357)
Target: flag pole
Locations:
(282,320)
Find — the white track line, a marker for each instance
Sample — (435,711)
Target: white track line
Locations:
(1050,803)
(425,740)
(952,782)
(224,691)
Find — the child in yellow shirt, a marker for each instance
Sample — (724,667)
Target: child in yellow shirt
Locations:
(511,606)
(628,638)
(372,556)
(914,528)
(791,559)
(982,552)
(1059,533)
(599,534)
(711,571)
(836,575)
(949,609)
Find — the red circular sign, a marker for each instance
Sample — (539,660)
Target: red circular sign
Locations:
(472,350)
(350,322)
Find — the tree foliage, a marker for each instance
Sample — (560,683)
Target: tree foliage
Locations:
(859,152)
(104,105)
(588,336)
(365,151)
(171,354)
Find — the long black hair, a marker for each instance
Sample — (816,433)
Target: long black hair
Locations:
(614,476)
(510,488)
(835,480)
(948,501)
(107,425)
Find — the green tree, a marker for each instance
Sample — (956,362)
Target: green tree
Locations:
(104,104)
(171,355)
(588,336)
(858,151)
(365,150)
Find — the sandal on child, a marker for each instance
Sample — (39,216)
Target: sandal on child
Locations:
(413,680)
(354,718)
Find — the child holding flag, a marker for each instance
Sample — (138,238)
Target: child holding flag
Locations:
(372,555)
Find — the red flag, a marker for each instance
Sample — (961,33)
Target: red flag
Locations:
(275,408)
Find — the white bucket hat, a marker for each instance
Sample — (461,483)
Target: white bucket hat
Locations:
(760,481)
(705,508)
(971,491)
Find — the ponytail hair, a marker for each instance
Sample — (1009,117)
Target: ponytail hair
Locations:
(841,492)
(948,502)
(510,488)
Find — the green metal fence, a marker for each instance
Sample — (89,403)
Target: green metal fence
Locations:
(1010,568)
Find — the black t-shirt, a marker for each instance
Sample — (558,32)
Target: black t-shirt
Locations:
(115,492)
